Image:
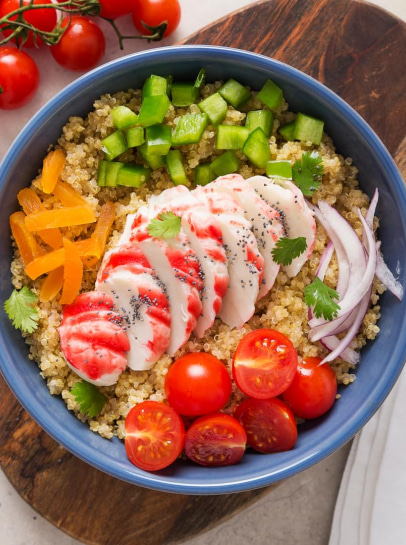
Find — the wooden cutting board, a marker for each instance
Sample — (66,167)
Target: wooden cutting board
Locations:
(357,50)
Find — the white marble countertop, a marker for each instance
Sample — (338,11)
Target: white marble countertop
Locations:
(281,514)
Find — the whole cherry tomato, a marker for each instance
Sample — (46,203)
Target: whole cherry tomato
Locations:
(19,78)
(313,389)
(81,46)
(215,440)
(264,363)
(154,12)
(112,9)
(197,384)
(42,19)
(154,435)
(269,424)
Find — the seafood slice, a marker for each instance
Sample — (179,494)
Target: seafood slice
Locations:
(139,296)
(245,263)
(266,221)
(297,217)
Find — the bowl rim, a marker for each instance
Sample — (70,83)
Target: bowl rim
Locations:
(332,443)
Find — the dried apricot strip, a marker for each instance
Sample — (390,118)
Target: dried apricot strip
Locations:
(31,203)
(52,285)
(102,230)
(52,167)
(68,195)
(60,217)
(28,246)
(72,273)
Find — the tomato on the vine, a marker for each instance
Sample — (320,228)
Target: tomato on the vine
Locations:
(19,78)
(313,389)
(264,363)
(154,435)
(269,424)
(215,440)
(112,9)
(154,12)
(42,19)
(81,46)
(197,384)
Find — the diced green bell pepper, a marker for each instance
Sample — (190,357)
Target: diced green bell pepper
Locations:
(108,172)
(123,117)
(257,149)
(189,129)
(271,95)
(231,136)
(215,107)
(260,118)
(154,86)
(227,163)
(153,110)
(187,93)
(133,175)
(234,93)
(204,174)
(308,129)
(114,145)
(279,169)
(135,136)
(158,139)
(175,168)
(154,161)
(287,131)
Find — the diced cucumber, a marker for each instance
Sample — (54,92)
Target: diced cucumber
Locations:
(231,136)
(153,110)
(189,129)
(308,129)
(175,168)
(260,118)
(135,136)
(271,95)
(279,169)
(234,93)
(133,175)
(157,139)
(215,107)
(204,174)
(154,161)
(114,145)
(227,163)
(123,117)
(154,85)
(108,172)
(288,131)
(257,149)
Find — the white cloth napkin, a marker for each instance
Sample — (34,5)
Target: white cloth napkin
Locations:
(371,504)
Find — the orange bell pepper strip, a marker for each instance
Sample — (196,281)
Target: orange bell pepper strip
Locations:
(31,203)
(52,167)
(72,273)
(68,195)
(60,217)
(102,230)
(52,285)
(27,245)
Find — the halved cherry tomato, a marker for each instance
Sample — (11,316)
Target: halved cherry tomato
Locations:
(313,389)
(269,424)
(264,363)
(42,18)
(197,384)
(154,12)
(215,440)
(154,435)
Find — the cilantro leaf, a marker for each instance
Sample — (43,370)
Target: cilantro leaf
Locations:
(321,298)
(20,308)
(165,225)
(91,401)
(286,249)
(307,172)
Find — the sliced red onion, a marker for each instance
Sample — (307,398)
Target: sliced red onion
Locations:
(386,277)
(347,354)
(369,217)
(325,261)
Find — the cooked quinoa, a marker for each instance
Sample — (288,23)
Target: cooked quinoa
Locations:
(283,308)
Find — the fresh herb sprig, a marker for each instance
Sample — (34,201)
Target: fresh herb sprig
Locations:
(21,308)
(307,172)
(165,225)
(91,401)
(322,299)
(286,249)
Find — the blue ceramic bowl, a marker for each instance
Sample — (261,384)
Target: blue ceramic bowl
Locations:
(382,360)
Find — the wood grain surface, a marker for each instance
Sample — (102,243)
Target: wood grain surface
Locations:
(357,50)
